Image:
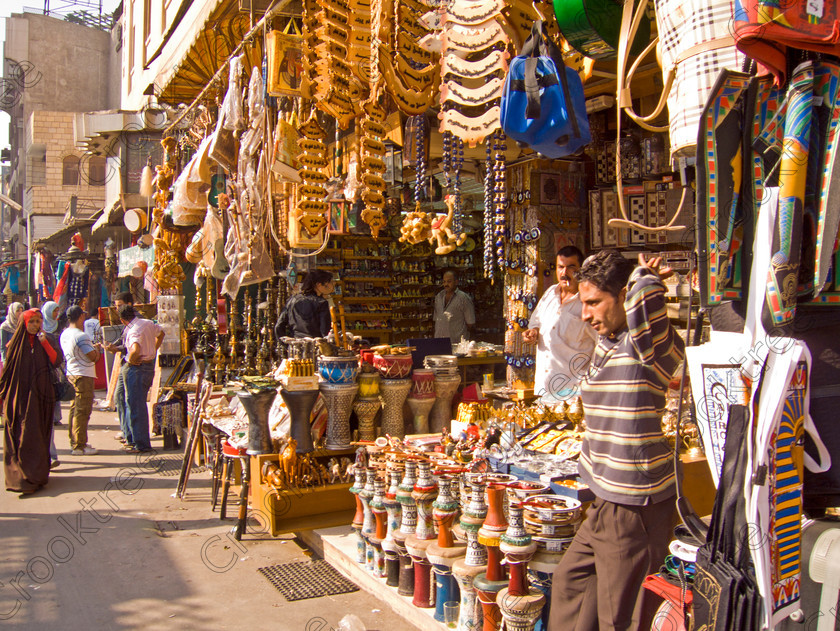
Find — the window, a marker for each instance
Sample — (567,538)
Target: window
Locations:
(70,171)
(138,147)
(96,171)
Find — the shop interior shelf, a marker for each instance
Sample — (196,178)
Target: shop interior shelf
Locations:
(366,279)
(365,298)
(380,315)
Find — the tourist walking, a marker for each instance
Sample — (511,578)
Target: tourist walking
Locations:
(26,389)
(80,356)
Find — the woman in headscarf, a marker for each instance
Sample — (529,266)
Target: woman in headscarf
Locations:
(7,329)
(28,399)
(51,313)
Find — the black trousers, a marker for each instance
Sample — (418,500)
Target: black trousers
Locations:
(598,584)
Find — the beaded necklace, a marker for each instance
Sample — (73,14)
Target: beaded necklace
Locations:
(457,164)
(488,210)
(499,195)
(420,166)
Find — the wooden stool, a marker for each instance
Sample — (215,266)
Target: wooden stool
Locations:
(229,454)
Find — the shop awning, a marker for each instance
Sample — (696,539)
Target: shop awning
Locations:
(59,240)
(194,60)
(111,216)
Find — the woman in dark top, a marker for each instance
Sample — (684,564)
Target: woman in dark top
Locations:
(28,398)
(307,314)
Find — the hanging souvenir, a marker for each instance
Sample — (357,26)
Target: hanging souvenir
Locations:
(285,60)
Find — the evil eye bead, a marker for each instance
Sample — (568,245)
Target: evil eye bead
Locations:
(535,234)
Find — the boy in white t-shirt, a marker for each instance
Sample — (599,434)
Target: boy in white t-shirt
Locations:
(81,356)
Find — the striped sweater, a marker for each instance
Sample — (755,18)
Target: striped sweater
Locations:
(625,458)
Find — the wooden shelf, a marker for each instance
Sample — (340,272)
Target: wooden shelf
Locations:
(380,315)
(366,279)
(365,298)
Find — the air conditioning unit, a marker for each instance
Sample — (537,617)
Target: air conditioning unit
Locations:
(599,103)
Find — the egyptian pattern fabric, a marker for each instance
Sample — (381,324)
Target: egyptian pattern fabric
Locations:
(786,472)
(719,171)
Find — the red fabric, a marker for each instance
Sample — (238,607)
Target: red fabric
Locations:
(25,317)
(61,285)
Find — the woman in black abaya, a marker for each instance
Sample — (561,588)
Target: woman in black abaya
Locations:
(28,398)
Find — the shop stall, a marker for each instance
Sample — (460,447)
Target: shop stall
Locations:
(443,171)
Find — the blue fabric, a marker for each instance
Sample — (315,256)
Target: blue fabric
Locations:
(138,381)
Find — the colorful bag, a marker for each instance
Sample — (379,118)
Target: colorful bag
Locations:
(543,105)
(765,30)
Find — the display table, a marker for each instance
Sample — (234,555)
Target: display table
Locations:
(300,508)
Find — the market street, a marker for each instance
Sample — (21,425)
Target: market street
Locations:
(106,546)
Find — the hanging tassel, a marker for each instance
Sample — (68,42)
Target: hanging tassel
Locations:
(146,177)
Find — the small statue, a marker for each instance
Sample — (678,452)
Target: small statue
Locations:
(288,462)
(347,469)
(442,233)
(335,470)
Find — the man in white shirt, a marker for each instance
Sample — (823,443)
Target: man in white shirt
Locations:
(454,312)
(565,343)
(142,341)
(80,355)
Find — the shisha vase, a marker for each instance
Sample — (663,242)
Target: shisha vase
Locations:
(541,574)
(366,410)
(465,570)
(257,404)
(393,392)
(489,584)
(380,515)
(389,548)
(420,409)
(422,398)
(441,414)
(443,553)
(359,517)
(369,524)
(300,404)
(408,525)
(520,604)
(425,490)
(339,401)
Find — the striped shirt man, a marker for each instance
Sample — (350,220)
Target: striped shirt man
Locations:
(625,458)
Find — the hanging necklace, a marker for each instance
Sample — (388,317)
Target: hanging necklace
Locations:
(457,164)
(488,211)
(420,166)
(499,196)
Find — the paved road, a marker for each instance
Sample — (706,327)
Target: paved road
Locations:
(106,546)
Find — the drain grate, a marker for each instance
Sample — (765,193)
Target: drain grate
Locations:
(307,579)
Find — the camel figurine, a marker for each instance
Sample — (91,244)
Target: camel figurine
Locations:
(442,233)
(289,462)
(335,470)
(345,469)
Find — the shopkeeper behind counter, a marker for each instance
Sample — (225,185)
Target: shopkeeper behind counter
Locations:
(625,458)
(454,311)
